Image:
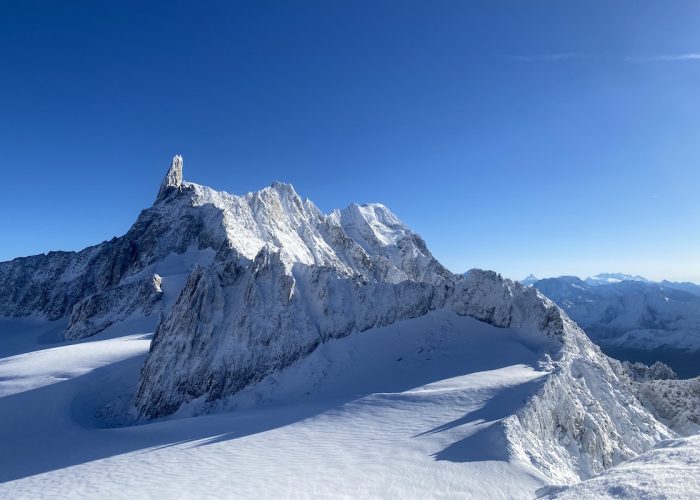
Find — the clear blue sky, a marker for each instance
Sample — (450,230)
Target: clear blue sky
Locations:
(532,136)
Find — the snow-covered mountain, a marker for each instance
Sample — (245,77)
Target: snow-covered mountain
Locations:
(140,273)
(610,278)
(529,280)
(310,278)
(263,301)
(632,313)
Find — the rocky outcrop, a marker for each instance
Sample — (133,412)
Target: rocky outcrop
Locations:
(674,402)
(106,307)
(173,178)
(584,419)
(107,283)
(639,372)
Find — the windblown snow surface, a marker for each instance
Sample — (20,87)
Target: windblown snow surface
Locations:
(669,471)
(408,410)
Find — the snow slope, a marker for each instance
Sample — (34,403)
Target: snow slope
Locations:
(405,411)
(440,405)
(671,470)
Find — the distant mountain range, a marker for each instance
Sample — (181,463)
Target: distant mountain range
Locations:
(620,311)
(612,278)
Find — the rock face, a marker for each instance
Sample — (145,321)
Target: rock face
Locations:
(242,320)
(674,402)
(105,307)
(173,179)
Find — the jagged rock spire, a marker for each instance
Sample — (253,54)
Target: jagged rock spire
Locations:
(173,179)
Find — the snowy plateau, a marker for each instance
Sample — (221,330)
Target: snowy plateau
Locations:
(255,347)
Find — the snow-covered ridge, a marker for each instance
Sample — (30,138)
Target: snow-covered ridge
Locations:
(236,324)
(106,283)
(585,419)
(674,402)
(237,321)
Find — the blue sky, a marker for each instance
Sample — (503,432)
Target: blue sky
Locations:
(548,137)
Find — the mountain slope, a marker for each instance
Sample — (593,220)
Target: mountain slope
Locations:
(671,470)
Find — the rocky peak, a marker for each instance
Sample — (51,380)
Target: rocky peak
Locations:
(283,187)
(173,179)
(530,280)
